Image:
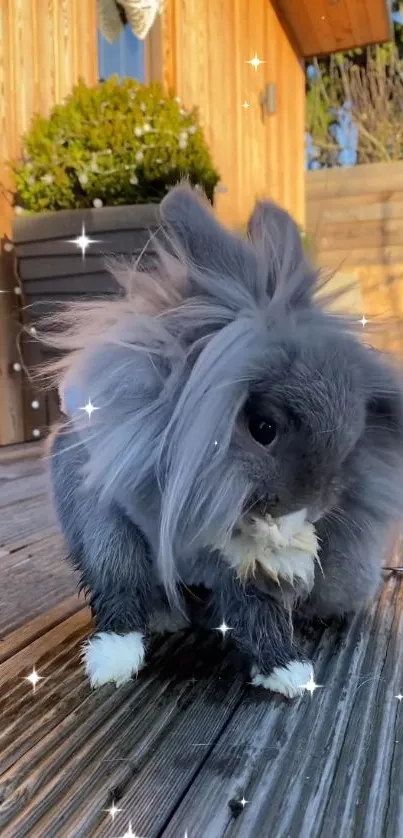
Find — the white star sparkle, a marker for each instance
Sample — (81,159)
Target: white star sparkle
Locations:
(310,685)
(223,628)
(83,241)
(255,61)
(399,697)
(246,105)
(130,833)
(33,678)
(363,321)
(112,811)
(243,802)
(89,408)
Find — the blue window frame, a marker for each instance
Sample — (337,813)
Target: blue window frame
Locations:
(124,58)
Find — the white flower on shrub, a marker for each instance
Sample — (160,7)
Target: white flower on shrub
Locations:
(83,179)
(139,156)
(147,127)
(98,203)
(138,131)
(143,107)
(192,129)
(134,180)
(18,210)
(47,179)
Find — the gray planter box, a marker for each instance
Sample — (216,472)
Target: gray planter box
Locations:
(52,270)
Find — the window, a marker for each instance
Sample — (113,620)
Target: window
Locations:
(125,57)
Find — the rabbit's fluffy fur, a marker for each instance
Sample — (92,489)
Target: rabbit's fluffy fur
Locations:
(245,440)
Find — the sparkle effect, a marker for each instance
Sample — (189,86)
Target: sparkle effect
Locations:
(243,802)
(33,678)
(89,408)
(363,321)
(223,628)
(83,241)
(112,811)
(130,833)
(245,105)
(255,62)
(310,685)
(399,697)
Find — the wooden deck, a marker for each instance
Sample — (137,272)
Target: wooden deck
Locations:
(178,749)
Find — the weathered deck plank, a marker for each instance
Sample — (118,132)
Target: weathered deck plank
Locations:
(181,746)
(34,575)
(26,518)
(14,491)
(179,754)
(30,631)
(32,579)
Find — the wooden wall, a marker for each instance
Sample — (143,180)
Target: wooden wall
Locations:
(204,49)
(355,217)
(45,46)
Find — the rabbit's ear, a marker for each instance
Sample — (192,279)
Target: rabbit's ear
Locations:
(190,218)
(277,237)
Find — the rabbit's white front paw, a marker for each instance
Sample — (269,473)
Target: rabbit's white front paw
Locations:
(110,657)
(290,680)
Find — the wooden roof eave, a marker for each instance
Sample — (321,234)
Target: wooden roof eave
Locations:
(318,27)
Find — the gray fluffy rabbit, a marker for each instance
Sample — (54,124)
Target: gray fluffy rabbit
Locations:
(244,441)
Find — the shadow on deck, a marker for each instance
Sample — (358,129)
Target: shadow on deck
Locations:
(189,748)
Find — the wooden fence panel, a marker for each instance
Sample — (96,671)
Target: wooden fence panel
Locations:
(355,219)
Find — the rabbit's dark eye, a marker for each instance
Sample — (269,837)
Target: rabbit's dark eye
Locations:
(264,431)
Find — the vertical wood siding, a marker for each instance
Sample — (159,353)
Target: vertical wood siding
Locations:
(45,47)
(205,50)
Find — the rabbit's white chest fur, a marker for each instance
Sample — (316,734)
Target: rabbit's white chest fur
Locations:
(286,549)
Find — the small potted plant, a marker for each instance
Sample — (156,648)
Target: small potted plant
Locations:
(88,185)
(95,170)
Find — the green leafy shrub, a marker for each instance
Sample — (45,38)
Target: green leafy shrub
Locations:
(120,142)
